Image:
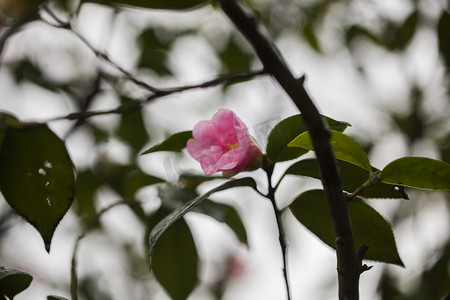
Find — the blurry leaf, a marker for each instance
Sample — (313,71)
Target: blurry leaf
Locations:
(37,177)
(345,148)
(310,36)
(155,4)
(234,58)
(175,142)
(132,128)
(369,226)
(285,131)
(137,179)
(162,226)
(443,32)
(418,172)
(154,52)
(175,261)
(407,30)
(352,177)
(13,282)
(86,186)
(225,214)
(414,124)
(356,31)
(53,297)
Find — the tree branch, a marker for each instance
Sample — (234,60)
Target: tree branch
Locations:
(348,263)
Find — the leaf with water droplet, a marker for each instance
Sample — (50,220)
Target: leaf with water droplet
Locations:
(36,176)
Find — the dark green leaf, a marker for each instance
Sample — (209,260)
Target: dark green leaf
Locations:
(356,31)
(369,226)
(37,177)
(162,226)
(86,186)
(311,37)
(407,30)
(418,172)
(175,142)
(175,261)
(345,148)
(285,131)
(234,58)
(225,214)
(154,52)
(443,32)
(155,4)
(13,282)
(137,179)
(352,177)
(132,128)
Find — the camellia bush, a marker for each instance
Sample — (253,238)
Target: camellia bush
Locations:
(40,182)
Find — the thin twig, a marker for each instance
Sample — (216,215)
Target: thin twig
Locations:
(69,26)
(268,168)
(73,271)
(132,106)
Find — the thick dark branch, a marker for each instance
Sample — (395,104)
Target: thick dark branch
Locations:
(349,265)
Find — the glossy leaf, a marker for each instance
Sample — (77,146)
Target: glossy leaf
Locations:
(175,261)
(285,131)
(173,196)
(13,282)
(168,221)
(155,4)
(369,226)
(37,177)
(345,148)
(418,172)
(352,177)
(175,143)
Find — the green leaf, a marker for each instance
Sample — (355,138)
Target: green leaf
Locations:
(234,58)
(175,143)
(155,4)
(162,226)
(175,261)
(13,282)
(352,177)
(137,179)
(369,226)
(285,131)
(224,214)
(345,148)
(418,172)
(132,128)
(154,52)
(37,177)
(407,30)
(443,32)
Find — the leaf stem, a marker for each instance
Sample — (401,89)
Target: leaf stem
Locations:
(268,168)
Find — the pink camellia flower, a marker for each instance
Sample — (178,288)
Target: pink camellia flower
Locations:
(224,144)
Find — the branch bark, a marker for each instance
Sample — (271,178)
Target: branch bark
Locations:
(349,264)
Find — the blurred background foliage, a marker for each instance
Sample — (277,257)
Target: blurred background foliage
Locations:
(53,63)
